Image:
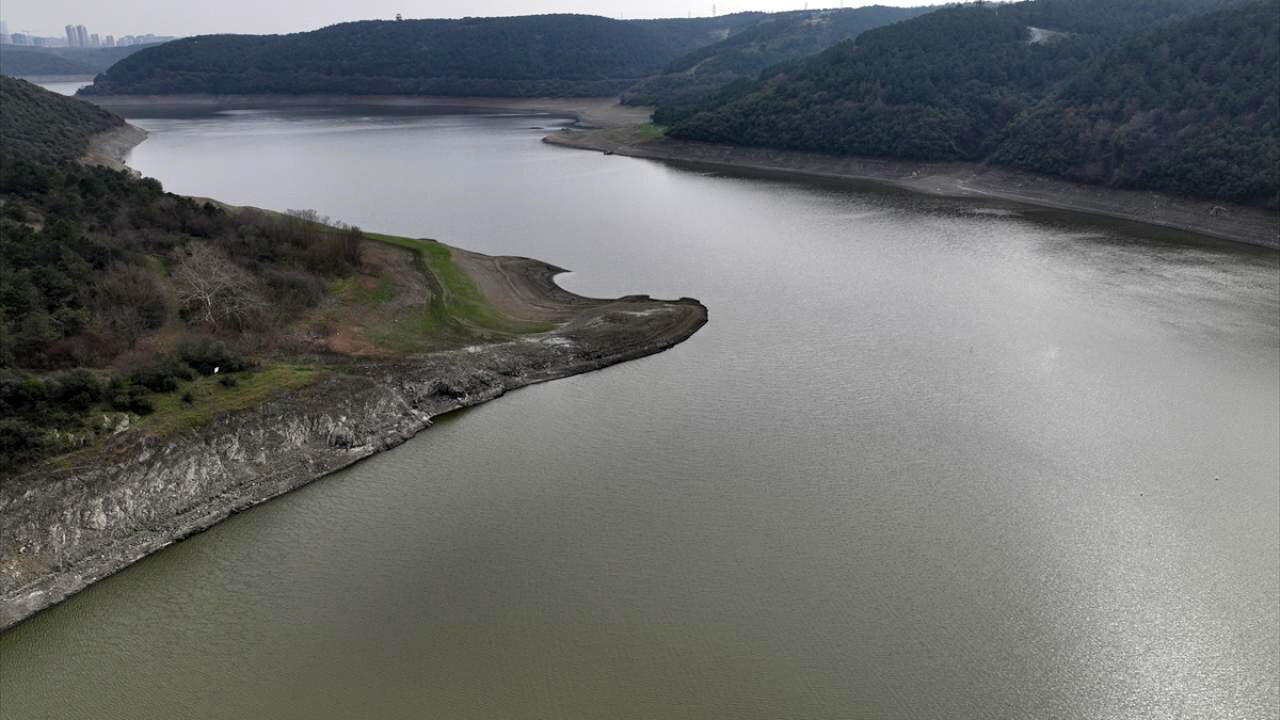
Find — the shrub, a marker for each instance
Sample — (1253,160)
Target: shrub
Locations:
(132,400)
(20,442)
(160,375)
(76,389)
(205,354)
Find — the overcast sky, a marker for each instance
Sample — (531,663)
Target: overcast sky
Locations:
(195,17)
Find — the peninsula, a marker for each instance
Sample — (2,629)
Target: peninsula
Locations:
(194,409)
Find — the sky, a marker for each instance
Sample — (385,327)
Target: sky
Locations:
(196,17)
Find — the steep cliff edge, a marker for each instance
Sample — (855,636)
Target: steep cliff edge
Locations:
(64,530)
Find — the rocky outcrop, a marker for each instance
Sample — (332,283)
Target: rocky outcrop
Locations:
(63,530)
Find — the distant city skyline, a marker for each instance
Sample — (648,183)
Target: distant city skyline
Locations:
(49,18)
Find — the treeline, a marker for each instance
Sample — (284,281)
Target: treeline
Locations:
(566,55)
(112,290)
(699,75)
(1158,94)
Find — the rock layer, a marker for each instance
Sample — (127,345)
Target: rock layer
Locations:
(64,530)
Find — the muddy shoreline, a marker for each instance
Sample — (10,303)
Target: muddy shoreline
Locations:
(111,148)
(1198,218)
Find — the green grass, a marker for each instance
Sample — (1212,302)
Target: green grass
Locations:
(652,131)
(351,290)
(211,399)
(457,307)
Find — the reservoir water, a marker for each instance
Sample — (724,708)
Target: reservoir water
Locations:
(927,460)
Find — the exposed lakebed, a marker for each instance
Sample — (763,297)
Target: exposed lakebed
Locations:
(926,460)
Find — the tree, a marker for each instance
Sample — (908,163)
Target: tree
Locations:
(214,289)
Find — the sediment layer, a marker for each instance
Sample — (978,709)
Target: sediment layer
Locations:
(1223,221)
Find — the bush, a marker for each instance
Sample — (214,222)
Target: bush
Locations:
(205,354)
(161,375)
(294,289)
(76,389)
(20,442)
(132,400)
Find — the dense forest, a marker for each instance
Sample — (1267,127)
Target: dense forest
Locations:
(1169,94)
(1192,108)
(112,291)
(31,61)
(692,79)
(541,55)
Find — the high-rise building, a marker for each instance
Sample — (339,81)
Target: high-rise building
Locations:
(109,41)
(4,32)
(82,36)
(95,41)
(20,39)
(71,36)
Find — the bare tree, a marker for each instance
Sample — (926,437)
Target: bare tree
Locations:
(213,288)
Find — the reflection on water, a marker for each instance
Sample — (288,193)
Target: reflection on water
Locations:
(923,462)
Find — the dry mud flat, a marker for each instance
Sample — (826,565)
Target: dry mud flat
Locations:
(1222,221)
(65,529)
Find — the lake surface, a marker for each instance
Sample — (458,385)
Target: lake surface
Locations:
(66,87)
(927,460)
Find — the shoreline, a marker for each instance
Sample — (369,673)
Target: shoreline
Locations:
(111,148)
(587,112)
(1152,210)
(67,528)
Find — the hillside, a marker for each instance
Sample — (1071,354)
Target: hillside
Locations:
(43,128)
(974,83)
(18,61)
(744,55)
(1191,108)
(543,55)
(129,315)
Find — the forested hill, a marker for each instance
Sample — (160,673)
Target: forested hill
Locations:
(24,60)
(42,127)
(784,36)
(540,55)
(1192,108)
(100,276)
(1169,94)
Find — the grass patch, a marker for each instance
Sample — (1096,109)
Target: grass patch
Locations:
(457,306)
(362,290)
(652,131)
(210,398)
